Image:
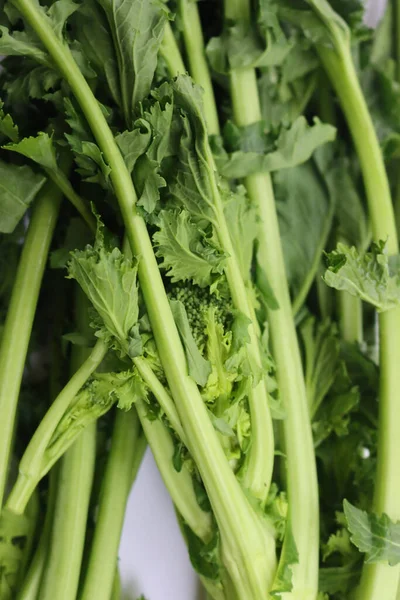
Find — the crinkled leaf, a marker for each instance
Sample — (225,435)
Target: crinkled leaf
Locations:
(292,147)
(18,188)
(110,282)
(40,149)
(137,28)
(372,276)
(376,536)
(199,368)
(187,254)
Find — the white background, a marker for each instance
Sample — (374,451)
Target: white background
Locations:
(153,556)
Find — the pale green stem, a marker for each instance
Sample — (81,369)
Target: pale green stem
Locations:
(18,326)
(194,44)
(33,577)
(170,52)
(248,558)
(63,567)
(116,590)
(350,317)
(100,573)
(378,580)
(75,478)
(31,467)
(161,394)
(301,473)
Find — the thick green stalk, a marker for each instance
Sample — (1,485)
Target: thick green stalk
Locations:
(116,589)
(378,580)
(171,53)
(257,473)
(75,478)
(100,573)
(21,312)
(32,466)
(300,459)
(31,584)
(62,572)
(194,45)
(248,558)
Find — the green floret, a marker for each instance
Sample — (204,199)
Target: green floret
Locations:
(197,302)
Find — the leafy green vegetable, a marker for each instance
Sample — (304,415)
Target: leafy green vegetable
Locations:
(194,310)
(19,186)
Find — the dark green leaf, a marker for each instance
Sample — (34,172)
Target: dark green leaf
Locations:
(137,28)
(18,188)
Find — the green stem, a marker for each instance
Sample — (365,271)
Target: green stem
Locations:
(194,44)
(33,578)
(116,589)
(378,580)
(33,466)
(300,459)
(140,449)
(350,318)
(179,484)
(171,53)
(63,567)
(62,182)
(99,578)
(161,394)
(21,312)
(244,556)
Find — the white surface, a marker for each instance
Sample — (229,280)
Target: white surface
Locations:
(153,555)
